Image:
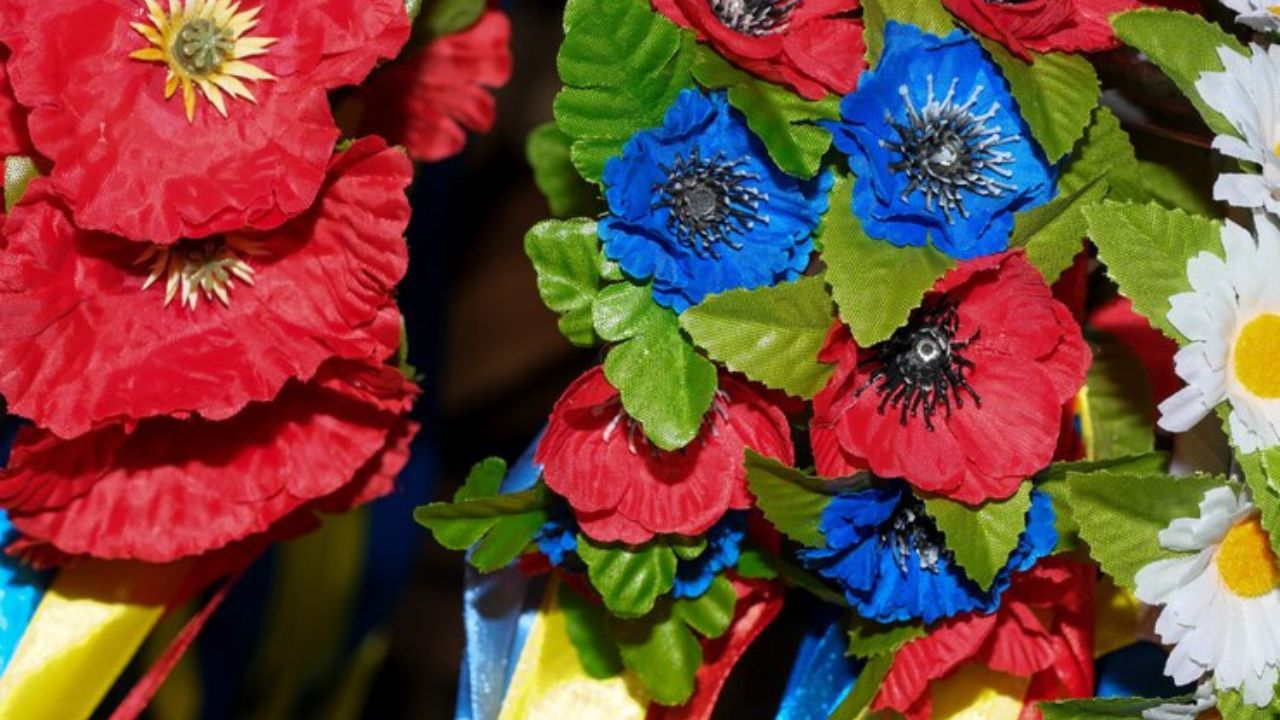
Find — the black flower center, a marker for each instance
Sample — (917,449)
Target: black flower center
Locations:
(921,368)
(909,528)
(948,149)
(202,46)
(709,200)
(755,17)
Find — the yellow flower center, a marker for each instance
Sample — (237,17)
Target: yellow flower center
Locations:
(205,44)
(192,268)
(1257,356)
(1246,561)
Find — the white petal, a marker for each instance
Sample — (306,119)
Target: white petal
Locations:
(1181,411)
(1247,191)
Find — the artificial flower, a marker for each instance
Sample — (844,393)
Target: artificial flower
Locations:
(892,564)
(171,489)
(724,546)
(966,399)
(1220,597)
(189,119)
(430,99)
(698,206)
(101,329)
(1261,15)
(622,488)
(1153,350)
(1245,93)
(1231,318)
(813,46)
(13,119)
(938,146)
(1043,631)
(558,536)
(1044,26)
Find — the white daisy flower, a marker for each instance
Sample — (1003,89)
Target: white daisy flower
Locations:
(1261,15)
(1222,602)
(1247,93)
(1232,320)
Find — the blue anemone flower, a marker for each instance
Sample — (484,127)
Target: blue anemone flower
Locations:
(892,563)
(939,147)
(698,206)
(724,546)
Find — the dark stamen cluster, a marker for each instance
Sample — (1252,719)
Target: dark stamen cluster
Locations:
(709,201)
(755,17)
(911,529)
(920,369)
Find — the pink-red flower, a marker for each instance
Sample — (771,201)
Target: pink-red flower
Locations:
(621,488)
(813,46)
(85,339)
(429,100)
(13,119)
(157,140)
(966,399)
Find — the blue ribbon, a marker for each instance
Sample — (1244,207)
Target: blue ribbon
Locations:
(822,676)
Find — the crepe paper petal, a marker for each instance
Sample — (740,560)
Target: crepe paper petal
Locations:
(245,146)
(13,119)
(1153,349)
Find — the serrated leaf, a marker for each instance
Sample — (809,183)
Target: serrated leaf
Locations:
(712,612)
(587,629)
(1053,482)
(670,404)
(928,15)
(784,121)
(754,564)
(622,65)
(982,538)
(772,335)
(19,171)
(566,256)
(875,284)
(1120,515)
(446,17)
(1146,249)
(868,639)
(1262,473)
(567,194)
(629,579)
(662,651)
(1056,94)
(789,499)
(1103,708)
(1172,182)
(1183,46)
(1120,406)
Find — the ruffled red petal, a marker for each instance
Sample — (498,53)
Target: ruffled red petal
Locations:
(13,118)
(84,344)
(1155,351)
(1044,26)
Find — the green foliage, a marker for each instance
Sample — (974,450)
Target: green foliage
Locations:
(588,631)
(567,257)
(1103,708)
(784,121)
(1171,182)
(928,15)
(622,65)
(662,651)
(875,284)
(567,194)
(772,334)
(1120,404)
(1056,94)
(1183,46)
(789,499)
(19,171)
(712,612)
(982,538)
(857,705)
(665,384)
(754,563)
(445,17)
(1053,481)
(629,579)
(869,639)
(1120,514)
(1146,249)
(1233,707)
(1261,472)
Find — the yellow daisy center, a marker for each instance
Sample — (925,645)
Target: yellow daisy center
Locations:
(205,44)
(1246,561)
(1257,356)
(192,268)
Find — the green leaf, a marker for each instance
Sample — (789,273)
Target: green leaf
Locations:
(982,538)
(629,579)
(687,548)
(588,632)
(795,576)
(567,194)
(446,17)
(19,171)
(1120,515)
(928,15)
(857,705)
(1183,46)
(869,639)
(1172,182)
(711,613)
(665,384)
(622,65)
(1261,473)
(662,652)
(875,284)
(753,563)
(789,499)
(1120,406)
(413,7)
(1053,481)
(1103,708)
(1056,94)
(1233,707)
(566,255)
(1146,249)
(772,335)
(784,121)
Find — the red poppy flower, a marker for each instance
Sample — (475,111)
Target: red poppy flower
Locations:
(1150,346)
(231,128)
(814,46)
(1042,631)
(227,321)
(13,119)
(623,489)
(172,489)
(428,101)
(965,400)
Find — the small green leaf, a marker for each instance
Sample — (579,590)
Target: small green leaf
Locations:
(797,577)
(1103,708)
(19,171)
(566,255)
(753,563)
(784,121)
(1053,482)
(869,639)
(567,194)
(687,548)
(789,499)
(622,65)
(1120,407)
(982,538)
(629,579)
(1261,473)
(1056,94)
(1183,46)
(588,632)
(1120,515)
(484,480)
(413,7)
(662,651)
(1172,182)
(772,335)
(1233,707)
(711,613)
(1146,249)
(875,284)
(928,15)
(446,17)
(857,705)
